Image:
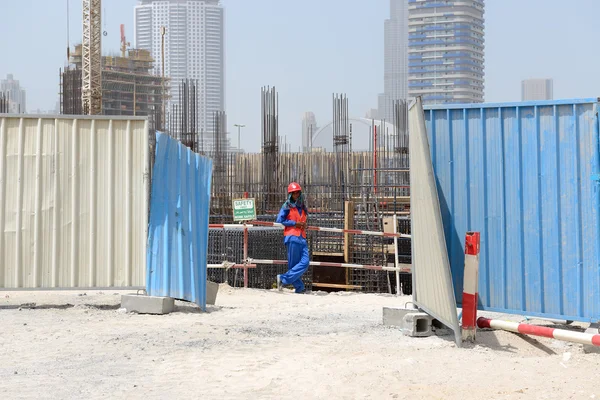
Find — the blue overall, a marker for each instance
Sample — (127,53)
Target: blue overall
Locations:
(297,253)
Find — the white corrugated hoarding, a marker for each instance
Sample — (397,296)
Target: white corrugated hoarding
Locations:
(433,290)
(74,195)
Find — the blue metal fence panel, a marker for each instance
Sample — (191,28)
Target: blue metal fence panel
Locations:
(178,231)
(526,175)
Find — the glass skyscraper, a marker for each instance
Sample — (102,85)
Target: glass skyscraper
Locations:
(446,51)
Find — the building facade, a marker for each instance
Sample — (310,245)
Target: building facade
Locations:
(194,49)
(446,51)
(537,89)
(395,73)
(17,97)
(309,129)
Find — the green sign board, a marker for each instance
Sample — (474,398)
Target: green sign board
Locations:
(244,210)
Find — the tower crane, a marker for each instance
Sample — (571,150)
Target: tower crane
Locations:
(91,85)
(124,43)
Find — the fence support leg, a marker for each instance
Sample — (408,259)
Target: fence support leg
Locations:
(245,256)
(398,286)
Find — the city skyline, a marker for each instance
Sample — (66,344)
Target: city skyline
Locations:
(17,96)
(341,59)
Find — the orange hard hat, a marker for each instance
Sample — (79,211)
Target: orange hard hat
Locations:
(294,187)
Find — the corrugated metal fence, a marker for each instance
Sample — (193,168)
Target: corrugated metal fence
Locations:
(178,236)
(73,201)
(526,176)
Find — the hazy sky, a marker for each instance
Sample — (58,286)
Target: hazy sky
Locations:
(312,48)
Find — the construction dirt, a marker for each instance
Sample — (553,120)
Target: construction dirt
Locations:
(258,344)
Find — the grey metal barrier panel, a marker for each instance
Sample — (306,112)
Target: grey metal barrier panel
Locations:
(525,175)
(433,290)
(178,229)
(74,196)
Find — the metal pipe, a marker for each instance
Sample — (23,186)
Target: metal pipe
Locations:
(326,229)
(245,255)
(526,329)
(398,288)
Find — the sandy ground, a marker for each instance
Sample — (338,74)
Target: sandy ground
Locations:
(257,344)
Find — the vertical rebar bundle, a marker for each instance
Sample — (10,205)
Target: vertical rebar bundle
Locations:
(341,145)
(183,119)
(401,126)
(221,199)
(4,103)
(270,147)
(70,91)
(400,159)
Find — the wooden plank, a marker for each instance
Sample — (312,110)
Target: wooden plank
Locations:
(336,286)
(388,227)
(390,199)
(325,253)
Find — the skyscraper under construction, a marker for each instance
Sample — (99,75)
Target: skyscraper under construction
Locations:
(128,86)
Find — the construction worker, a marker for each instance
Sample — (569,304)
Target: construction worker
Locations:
(293,215)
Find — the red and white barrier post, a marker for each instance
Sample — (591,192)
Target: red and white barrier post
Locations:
(321,229)
(470,286)
(559,334)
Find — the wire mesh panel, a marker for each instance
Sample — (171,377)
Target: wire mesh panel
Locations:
(327,242)
(264,243)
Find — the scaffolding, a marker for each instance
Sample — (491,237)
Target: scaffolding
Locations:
(366,190)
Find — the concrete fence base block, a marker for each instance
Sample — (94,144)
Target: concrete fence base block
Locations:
(411,322)
(593,329)
(440,329)
(211,292)
(147,304)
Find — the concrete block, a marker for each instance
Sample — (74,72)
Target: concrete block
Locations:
(593,329)
(412,322)
(211,292)
(395,316)
(147,304)
(417,324)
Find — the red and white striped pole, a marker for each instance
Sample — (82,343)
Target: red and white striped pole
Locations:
(321,229)
(559,334)
(470,286)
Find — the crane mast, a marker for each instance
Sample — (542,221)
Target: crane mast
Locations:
(92,57)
